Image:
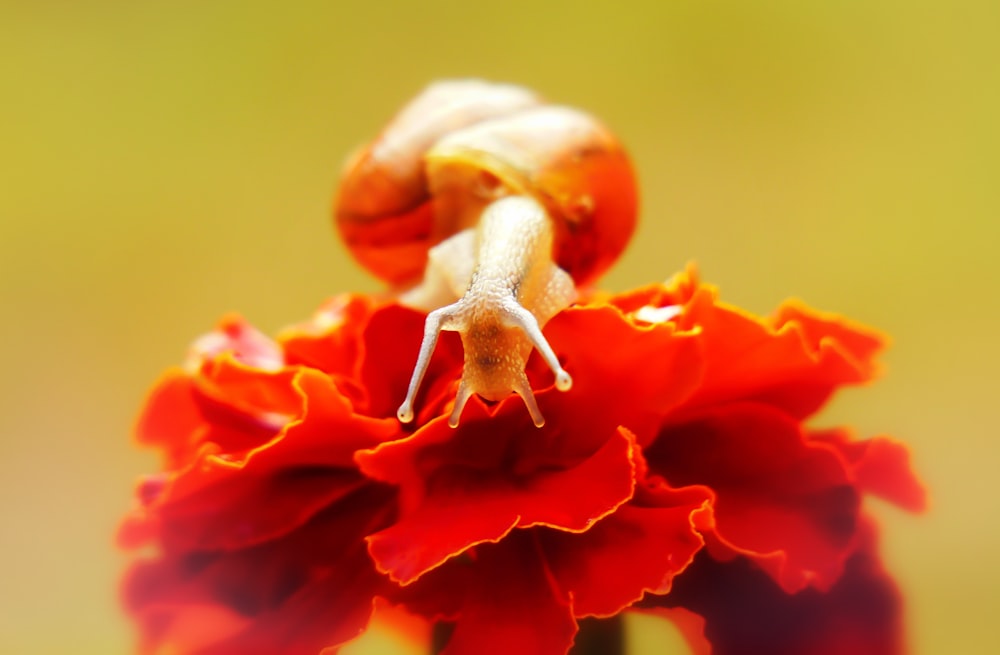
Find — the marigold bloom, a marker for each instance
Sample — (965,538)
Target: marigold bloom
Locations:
(677,469)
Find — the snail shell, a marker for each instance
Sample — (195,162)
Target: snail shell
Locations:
(462,144)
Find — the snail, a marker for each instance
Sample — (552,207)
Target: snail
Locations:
(488,207)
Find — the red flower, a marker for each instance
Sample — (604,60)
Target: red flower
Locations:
(260,514)
(291,498)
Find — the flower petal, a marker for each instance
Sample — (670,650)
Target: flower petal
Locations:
(227,501)
(391,342)
(228,405)
(856,341)
(677,291)
(171,419)
(464,487)
(791,363)
(331,340)
(785,501)
(511,604)
(880,466)
(310,589)
(653,369)
(637,549)
(746,613)
(233,335)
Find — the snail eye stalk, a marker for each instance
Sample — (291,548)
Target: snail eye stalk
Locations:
(432,329)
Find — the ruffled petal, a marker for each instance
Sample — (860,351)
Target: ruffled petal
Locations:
(171,419)
(232,512)
(854,340)
(746,613)
(782,500)
(511,604)
(298,594)
(245,343)
(331,340)
(476,484)
(226,501)
(794,360)
(781,363)
(390,344)
(879,466)
(675,292)
(653,370)
(639,548)
(226,406)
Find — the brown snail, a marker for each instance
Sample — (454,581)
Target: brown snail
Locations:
(483,193)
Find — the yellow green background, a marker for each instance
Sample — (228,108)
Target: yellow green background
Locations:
(162,163)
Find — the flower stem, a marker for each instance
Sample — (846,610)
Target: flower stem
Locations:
(600,637)
(440,635)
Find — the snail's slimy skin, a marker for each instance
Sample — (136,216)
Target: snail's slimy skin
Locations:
(510,288)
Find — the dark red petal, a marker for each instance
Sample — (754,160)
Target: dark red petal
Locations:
(637,549)
(439,594)
(311,589)
(781,499)
(237,512)
(746,613)
(468,487)
(512,605)
(880,466)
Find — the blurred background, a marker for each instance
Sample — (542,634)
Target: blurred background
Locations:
(162,163)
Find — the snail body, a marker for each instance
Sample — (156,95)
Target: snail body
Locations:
(487,208)
(515,288)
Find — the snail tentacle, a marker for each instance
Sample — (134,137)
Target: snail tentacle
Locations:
(462,397)
(523,389)
(518,316)
(432,328)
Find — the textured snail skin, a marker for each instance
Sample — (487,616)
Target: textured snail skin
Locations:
(462,144)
